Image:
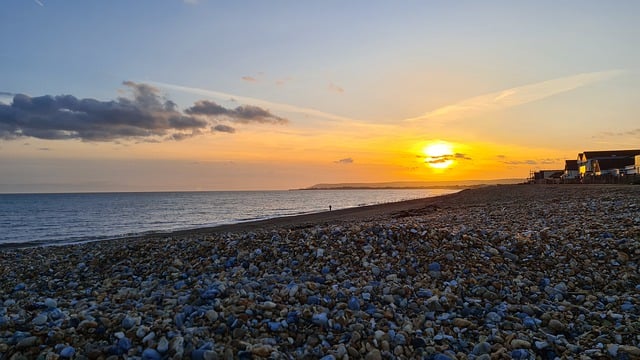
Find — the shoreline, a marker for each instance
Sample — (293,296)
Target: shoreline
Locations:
(498,272)
(286,220)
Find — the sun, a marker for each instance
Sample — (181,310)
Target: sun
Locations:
(439,155)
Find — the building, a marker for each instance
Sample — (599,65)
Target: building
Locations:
(609,162)
(571,170)
(548,176)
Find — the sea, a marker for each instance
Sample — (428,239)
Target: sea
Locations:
(57,219)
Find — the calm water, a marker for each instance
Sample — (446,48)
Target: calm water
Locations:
(64,218)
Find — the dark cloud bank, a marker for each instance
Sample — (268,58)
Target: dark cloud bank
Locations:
(146,115)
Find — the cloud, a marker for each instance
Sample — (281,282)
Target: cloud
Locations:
(243,114)
(533,162)
(619,133)
(444,158)
(335,88)
(461,156)
(516,96)
(283,81)
(146,115)
(223,128)
(191,2)
(259,102)
(39,2)
(344,161)
(249,79)
(521,162)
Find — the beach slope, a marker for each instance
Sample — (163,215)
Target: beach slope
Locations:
(514,271)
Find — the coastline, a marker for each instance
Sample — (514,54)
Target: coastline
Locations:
(500,271)
(198,212)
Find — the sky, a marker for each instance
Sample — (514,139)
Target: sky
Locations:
(180,95)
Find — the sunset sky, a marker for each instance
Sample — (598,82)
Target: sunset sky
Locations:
(154,95)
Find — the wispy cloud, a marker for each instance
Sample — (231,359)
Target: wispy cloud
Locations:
(244,114)
(39,2)
(223,128)
(335,88)
(619,133)
(249,79)
(516,96)
(344,161)
(444,158)
(546,161)
(274,106)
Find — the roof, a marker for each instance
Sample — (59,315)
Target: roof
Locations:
(618,163)
(611,153)
(571,165)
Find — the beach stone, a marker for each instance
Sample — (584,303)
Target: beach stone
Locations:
(67,352)
(630,349)
(481,348)
(177,346)
(462,323)
(373,355)
(128,322)
(151,354)
(441,356)
(149,337)
(520,354)
(28,342)
(520,344)
(354,304)
(556,326)
(142,331)
(418,342)
(320,319)
(163,345)
(39,320)
(124,344)
(262,350)
(50,303)
(540,345)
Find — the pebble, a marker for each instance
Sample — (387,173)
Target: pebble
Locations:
(482,348)
(373,355)
(163,345)
(67,352)
(151,354)
(518,343)
(50,303)
(40,320)
(556,326)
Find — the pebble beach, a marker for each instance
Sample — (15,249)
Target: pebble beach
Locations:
(499,272)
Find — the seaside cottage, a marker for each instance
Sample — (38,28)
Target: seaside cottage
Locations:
(571,170)
(592,163)
(548,176)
